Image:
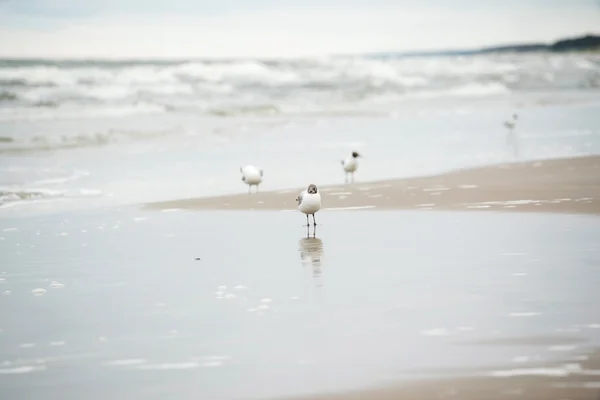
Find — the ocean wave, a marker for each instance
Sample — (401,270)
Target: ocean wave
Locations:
(258,109)
(78,174)
(49,110)
(43,142)
(11,196)
(468,90)
(203,87)
(5,95)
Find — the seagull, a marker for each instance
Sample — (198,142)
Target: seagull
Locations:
(251,176)
(309,202)
(511,139)
(510,124)
(350,164)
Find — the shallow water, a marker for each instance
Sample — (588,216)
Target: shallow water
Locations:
(185,156)
(376,297)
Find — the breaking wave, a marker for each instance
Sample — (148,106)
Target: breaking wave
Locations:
(251,87)
(41,142)
(10,197)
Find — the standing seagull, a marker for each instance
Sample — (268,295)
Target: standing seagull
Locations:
(510,124)
(350,164)
(511,139)
(309,202)
(251,176)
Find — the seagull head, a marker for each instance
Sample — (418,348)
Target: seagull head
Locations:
(355,154)
(312,189)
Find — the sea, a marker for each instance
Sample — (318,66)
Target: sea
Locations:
(90,133)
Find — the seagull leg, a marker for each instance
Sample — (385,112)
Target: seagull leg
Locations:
(314,222)
(307,222)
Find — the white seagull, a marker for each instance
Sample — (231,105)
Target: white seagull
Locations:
(511,139)
(511,123)
(251,176)
(350,165)
(309,202)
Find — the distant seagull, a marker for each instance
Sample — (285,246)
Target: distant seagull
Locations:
(309,202)
(511,139)
(350,165)
(251,176)
(511,123)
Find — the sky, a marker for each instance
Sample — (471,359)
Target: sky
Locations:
(279,28)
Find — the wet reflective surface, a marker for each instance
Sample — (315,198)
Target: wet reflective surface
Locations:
(114,303)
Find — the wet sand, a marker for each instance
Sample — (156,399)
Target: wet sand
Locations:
(570,185)
(115,304)
(575,379)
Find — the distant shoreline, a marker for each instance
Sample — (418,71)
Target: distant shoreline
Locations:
(585,43)
(580,44)
(566,185)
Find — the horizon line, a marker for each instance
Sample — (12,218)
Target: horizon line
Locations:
(416,52)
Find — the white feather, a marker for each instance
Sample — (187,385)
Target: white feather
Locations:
(350,164)
(309,203)
(511,123)
(252,175)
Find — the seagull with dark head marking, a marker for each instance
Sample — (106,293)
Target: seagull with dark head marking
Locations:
(350,165)
(309,202)
(251,176)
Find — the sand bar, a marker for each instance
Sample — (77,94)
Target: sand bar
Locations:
(568,185)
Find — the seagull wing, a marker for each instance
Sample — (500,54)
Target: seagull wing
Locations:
(299,198)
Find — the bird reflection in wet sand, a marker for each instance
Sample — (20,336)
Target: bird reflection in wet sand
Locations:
(311,252)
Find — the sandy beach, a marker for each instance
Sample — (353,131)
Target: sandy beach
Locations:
(573,379)
(568,185)
(233,305)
